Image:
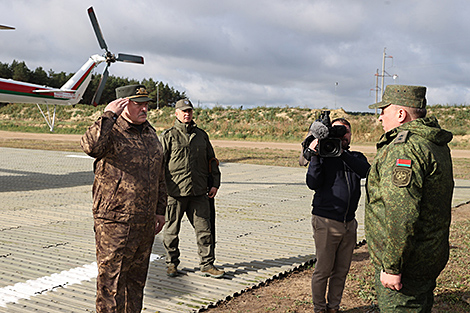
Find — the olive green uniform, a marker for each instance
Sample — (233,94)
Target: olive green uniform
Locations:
(128,192)
(408,212)
(187,152)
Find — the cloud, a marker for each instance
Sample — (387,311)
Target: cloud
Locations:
(256,52)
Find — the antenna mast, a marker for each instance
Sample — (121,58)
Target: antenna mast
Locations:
(384,74)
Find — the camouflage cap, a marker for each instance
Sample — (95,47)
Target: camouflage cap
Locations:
(184,104)
(137,93)
(407,96)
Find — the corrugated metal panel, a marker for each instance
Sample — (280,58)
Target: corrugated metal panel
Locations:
(46,235)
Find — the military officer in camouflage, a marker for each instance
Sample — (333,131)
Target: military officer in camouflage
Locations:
(408,206)
(129,198)
(188,154)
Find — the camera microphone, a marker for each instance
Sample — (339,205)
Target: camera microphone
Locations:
(328,136)
(319,130)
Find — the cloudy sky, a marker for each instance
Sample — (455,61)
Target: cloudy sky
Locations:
(305,53)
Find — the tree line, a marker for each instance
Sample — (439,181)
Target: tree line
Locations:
(166,95)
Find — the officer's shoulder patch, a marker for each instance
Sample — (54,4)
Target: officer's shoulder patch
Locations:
(401,137)
(401,174)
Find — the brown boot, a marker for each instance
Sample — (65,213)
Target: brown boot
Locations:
(213,272)
(333,311)
(172,271)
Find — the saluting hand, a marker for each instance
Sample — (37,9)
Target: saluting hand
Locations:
(117,106)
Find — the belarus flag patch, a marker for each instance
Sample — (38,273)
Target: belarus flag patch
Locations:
(403,162)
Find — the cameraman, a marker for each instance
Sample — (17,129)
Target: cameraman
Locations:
(337,185)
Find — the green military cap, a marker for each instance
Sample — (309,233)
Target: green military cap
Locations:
(184,104)
(137,93)
(404,95)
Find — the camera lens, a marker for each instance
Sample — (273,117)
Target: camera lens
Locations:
(330,147)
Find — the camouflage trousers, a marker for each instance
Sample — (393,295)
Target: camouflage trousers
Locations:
(122,253)
(416,296)
(197,210)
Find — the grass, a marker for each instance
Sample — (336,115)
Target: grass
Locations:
(276,157)
(461,168)
(282,124)
(452,284)
(70,146)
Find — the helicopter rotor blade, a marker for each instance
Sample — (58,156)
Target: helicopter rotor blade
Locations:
(99,90)
(97,29)
(6,27)
(130,58)
(108,56)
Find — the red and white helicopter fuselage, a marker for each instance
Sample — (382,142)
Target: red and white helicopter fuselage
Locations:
(12,91)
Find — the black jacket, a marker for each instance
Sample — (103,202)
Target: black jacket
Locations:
(337,184)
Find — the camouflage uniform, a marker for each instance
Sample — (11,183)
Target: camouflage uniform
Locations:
(187,152)
(408,212)
(128,192)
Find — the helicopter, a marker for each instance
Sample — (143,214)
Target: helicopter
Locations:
(13,91)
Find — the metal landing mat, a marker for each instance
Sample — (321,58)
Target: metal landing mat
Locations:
(47,251)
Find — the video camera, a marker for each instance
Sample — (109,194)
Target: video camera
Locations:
(329,138)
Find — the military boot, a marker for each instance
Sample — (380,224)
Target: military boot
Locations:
(213,272)
(172,271)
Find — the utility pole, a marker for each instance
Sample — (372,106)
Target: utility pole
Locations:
(384,74)
(377,87)
(336,85)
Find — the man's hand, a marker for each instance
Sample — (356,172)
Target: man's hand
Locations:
(159,223)
(313,145)
(117,106)
(391,281)
(211,194)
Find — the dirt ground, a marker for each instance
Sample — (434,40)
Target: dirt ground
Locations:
(292,293)
(7,135)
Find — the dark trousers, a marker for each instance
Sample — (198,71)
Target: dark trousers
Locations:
(198,212)
(122,253)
